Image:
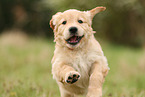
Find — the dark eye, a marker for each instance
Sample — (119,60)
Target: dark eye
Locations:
(64,22)
(80,21)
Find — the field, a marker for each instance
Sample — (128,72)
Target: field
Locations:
(25,68)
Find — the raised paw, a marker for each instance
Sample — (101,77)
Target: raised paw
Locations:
(72,77)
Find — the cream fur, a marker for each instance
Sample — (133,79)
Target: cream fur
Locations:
(85,59)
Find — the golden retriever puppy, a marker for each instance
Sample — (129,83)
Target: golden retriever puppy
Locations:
(79,65)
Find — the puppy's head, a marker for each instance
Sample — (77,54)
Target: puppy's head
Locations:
(72,28)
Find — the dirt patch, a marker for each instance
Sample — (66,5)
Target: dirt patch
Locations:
(13,38)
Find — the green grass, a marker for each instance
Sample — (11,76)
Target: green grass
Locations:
(25,69)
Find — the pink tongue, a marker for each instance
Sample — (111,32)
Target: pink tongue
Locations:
(73,39)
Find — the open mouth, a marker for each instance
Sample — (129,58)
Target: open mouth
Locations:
(74,40)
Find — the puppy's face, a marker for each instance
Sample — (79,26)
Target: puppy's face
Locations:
(72,28)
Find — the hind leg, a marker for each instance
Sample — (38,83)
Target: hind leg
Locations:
(66,94)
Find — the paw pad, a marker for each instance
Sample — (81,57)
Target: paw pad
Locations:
(72,78)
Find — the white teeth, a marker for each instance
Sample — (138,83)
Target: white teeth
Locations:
(73,41)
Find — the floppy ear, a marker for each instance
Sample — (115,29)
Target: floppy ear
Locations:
(51,24)
(96,10)
(52,21)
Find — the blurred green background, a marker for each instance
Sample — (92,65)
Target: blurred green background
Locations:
(26,46)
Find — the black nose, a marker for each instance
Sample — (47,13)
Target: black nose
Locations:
(73,30)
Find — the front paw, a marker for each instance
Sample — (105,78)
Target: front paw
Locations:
(94,92)
(72,77)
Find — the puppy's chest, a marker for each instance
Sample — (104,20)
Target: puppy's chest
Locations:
(81,62)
